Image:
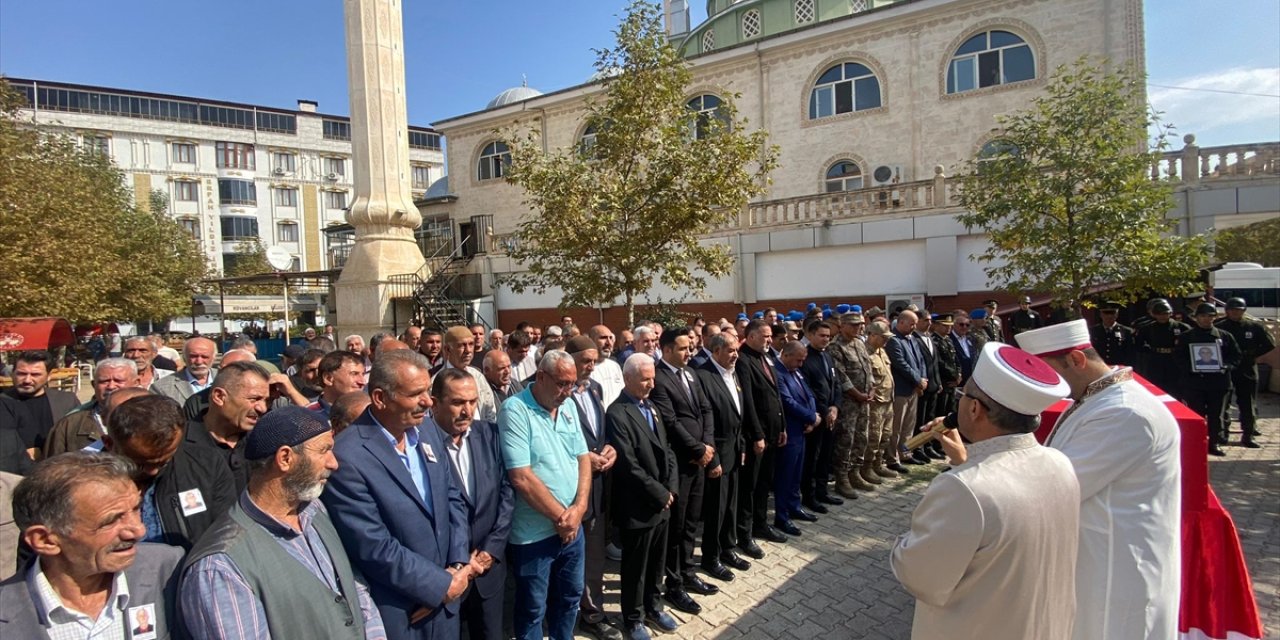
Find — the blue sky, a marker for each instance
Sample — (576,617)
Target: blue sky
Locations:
(461,54)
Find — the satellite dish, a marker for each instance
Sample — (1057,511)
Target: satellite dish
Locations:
(279,259)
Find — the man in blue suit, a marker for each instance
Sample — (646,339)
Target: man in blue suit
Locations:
(475,458)
(400,514)
(910,380)
(801,412)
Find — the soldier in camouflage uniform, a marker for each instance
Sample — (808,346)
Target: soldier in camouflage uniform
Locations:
(853,369)
(881,410)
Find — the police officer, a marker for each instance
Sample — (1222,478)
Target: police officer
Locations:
(1156,341)
(1208,355)
(1112,340)
(1254,340)
(1024,319)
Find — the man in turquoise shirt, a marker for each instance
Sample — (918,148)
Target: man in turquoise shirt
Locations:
(547,460)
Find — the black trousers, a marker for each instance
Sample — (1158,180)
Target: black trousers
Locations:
(483,616)
(816,471)
(1208,401)
(1244,387)
(926,409)
(686,514)
(591,608)
(720,515)
(642,563)
(754,485)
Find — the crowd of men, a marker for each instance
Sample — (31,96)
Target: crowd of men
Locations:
(393,487)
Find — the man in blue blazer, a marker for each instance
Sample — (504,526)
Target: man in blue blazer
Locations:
(910,379)
(476,461)
(801,412)
(400,514)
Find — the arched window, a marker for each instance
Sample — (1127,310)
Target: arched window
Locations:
(494,160)
(750,24)
(804,11)
(707,107)
(988,59)
(995,151)
(844,88)
(588,140)
(708,40)
(844,175)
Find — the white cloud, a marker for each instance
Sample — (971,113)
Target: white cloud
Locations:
(1206,112)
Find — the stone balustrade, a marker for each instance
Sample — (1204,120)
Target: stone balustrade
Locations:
(1193,164)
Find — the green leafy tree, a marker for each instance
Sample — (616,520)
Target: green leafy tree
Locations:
(610,218)
(1258,242)
(1068,202)
(72,241)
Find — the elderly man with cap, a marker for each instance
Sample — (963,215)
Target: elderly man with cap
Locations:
(1206,382)
(1157,339)
(459,350)
(1254,340)
(1125,448)
(273,565)
(1113,341)
(992,548)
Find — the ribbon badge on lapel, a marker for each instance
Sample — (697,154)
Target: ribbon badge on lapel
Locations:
(428,452)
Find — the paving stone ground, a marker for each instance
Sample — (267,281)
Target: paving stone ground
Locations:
(834,582)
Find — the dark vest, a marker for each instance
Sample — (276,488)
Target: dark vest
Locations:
(295,602)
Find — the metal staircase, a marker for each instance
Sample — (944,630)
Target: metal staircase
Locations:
(436,300)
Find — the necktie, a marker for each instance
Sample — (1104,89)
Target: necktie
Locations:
(648,415)
(768,371)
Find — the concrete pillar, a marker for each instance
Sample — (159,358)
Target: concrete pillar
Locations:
(382,210)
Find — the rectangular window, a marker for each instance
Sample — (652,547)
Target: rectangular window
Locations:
(336,166)
(286,232)
(241,192)
(100,145)
(184,152)
(825,102)
(235,155)
(234,228)
(284,162)
(962,73)
(424,140)
(844,97)
(866,93)
(421,176)
(286,197)
(335,199)
(186,191)
(336,130)
(191,226)
(988,68)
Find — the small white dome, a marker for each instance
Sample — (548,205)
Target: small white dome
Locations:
(609,72)
(513,95)
(437,189)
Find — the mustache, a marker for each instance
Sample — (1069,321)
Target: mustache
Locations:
(122,546)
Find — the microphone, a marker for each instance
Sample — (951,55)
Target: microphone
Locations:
(949,422)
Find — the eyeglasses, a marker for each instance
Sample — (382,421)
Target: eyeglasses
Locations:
(962,324)
(960,394)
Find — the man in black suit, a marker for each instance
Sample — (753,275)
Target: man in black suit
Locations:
(819,373)
(703,355)
(686,413)
(43,405)
(720,384)
(477,468)
(927,404)
(762,426)
(587,398)
(643,491)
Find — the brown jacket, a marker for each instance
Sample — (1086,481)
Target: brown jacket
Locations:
(77,430)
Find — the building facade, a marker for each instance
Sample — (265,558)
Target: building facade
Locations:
(872,104)
(233,173)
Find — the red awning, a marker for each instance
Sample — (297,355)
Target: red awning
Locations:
(97,329)
(21,334)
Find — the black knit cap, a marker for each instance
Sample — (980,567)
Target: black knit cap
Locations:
(283,427)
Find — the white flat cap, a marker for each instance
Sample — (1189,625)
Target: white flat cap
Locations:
(1017,380)
(1055,340)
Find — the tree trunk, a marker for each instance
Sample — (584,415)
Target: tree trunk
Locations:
(631,309)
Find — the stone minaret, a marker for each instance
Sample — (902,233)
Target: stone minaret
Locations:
(675,16)
(382,211)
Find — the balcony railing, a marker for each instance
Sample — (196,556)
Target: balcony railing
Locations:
(1193,164)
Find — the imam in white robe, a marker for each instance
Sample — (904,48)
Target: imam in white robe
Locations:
(1125,447)
(991,554)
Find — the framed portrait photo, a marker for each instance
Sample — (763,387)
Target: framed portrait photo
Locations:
(1206,357)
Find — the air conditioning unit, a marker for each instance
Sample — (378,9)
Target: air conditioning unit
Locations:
(887,174)
(278,171)
(331,176)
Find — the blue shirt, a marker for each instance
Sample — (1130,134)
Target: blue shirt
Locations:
(550,448)
(412,459)
(151,516)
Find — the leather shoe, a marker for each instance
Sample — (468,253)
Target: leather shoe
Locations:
(1249,444)
(827,498)
(1215,450)
(897,467)
(718,571)
(771,534)
(682,601)
(735,561)
(935,452)
(813,506)
(699,586)
(662,620)
(802,515)
(921,457)
(599,629)
(751,549)
(787,527)
(637,631)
